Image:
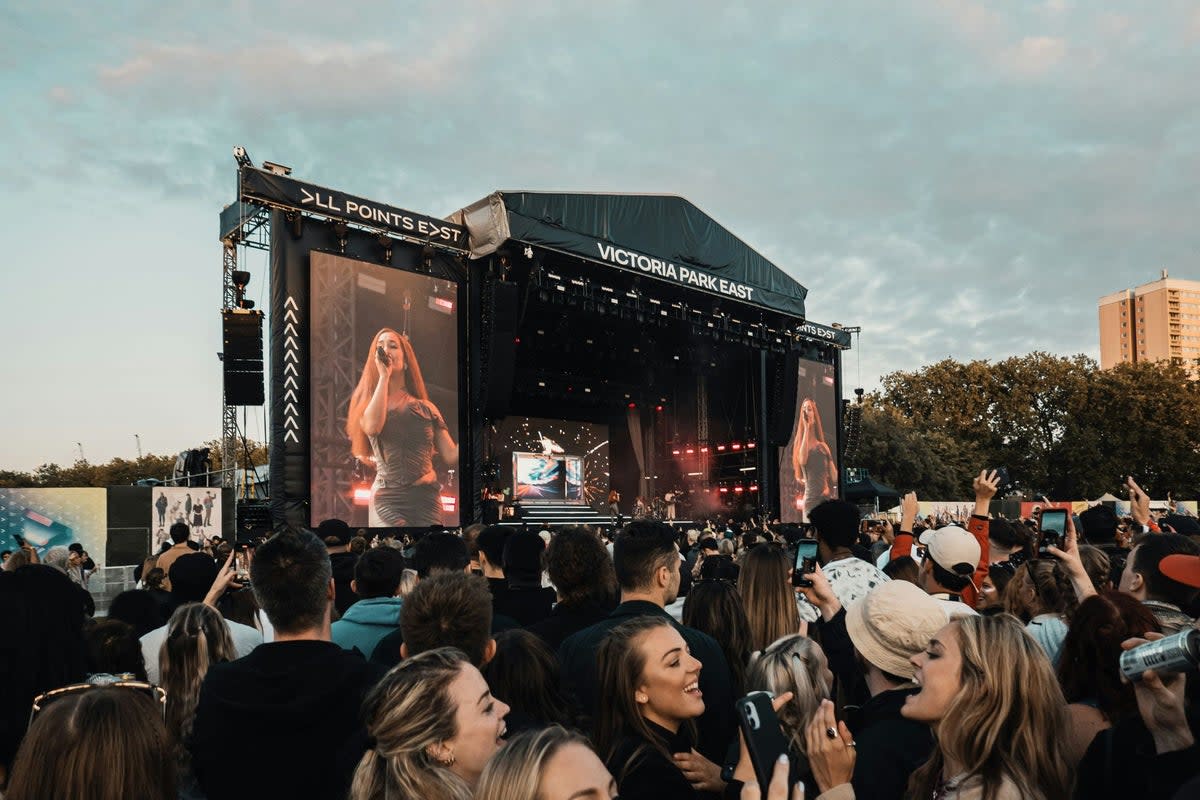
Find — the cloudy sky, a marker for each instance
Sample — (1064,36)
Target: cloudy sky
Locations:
(959,178)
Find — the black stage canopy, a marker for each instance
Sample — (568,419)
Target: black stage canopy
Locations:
(659,236)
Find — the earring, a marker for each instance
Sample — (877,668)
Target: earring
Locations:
(446,762)
(641,698)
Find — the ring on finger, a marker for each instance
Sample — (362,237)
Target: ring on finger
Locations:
(831,732)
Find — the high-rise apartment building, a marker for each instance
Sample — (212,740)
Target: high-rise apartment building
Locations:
(1156,321)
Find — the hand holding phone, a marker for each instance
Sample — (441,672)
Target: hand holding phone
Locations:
(761,733)
(1052,530)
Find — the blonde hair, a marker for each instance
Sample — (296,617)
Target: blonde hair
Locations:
(793,664)
(515,772)
(408,712)
(1007,719)
(767,596)
(197,637)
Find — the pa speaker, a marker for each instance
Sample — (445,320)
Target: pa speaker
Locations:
(253,522)
(242,358)
(784,381)
(502,348)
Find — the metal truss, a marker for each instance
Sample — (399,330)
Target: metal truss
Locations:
(332,311)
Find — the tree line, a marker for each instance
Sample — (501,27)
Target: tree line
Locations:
(119,471)
(1063,427)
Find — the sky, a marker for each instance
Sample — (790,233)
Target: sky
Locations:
(962,179)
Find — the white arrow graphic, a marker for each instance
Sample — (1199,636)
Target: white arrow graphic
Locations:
(291,434)
(290,368)
(290,422)
(291,342)
(308,198)
(290,302)
(290,408)
(290,355)
(290,394)
(290,329)
(291,315)
(291,381)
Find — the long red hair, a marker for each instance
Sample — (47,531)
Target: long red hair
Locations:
(413,383)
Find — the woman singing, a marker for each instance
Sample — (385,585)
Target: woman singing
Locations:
(812,460)
(394,428)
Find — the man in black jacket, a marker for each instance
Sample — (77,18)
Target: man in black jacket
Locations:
(647,563)
(294,701)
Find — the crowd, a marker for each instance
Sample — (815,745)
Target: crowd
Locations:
(950,659)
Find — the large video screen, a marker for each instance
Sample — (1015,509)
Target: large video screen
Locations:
(384,413)
(551,459)
(808,465)
(537,476)
(47,518)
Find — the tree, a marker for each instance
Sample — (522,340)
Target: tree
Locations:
(120,471)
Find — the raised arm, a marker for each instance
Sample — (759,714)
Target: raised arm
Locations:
(375,414)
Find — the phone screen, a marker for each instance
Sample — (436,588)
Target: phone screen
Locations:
(806,561)
(1053,528)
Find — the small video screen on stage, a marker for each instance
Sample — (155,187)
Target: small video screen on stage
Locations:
(384,403)
(808,465)
(544,460)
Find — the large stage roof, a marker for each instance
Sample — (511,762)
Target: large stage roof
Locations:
(661,236)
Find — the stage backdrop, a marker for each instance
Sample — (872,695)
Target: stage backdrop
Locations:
(355,308)
(808,465)
(199,508)
(54,517)
(556,439)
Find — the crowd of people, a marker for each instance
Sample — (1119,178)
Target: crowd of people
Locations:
(950,659)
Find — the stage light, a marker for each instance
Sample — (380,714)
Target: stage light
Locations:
(690,451)
(242,157)
(747,469)
(542,384)
(676,358)
(276,169)
(674,452)
(754,488)
(240,278)
(723,489)
(703,449)
(752,445)
(735,446)
(658,409)
(720,448)
(362,494)
(449,503)
(245,304)
(633,405)
(587,390)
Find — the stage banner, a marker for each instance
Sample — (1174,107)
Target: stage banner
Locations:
(47,518)
(197,507)
(383,378)
(279,190)
(808,465)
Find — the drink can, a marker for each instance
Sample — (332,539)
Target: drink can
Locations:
(1177,653)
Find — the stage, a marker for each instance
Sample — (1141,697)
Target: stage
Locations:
(585,343)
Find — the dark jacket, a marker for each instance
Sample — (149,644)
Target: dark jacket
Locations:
(890,748)
(1121,763)
(343,572)
(288,708)
(578,653)
(643,773)
(525,604)
(565,620)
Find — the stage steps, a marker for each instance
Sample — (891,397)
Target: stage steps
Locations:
(557,514)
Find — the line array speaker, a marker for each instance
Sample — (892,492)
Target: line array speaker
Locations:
(502,348)
(242,358)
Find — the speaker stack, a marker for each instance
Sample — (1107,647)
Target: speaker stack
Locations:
(243,357)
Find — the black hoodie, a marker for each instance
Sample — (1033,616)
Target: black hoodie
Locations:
(275,723)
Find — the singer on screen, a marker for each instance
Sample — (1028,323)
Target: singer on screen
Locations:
(812,460)
(394,428)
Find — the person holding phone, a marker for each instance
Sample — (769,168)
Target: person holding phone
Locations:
(395,429)
(651,685)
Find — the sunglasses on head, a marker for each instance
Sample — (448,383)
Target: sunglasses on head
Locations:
(155,693)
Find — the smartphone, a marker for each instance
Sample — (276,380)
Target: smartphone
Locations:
(806,562)
(764,738)
(1052,529)
(1002,479)
(19,539)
